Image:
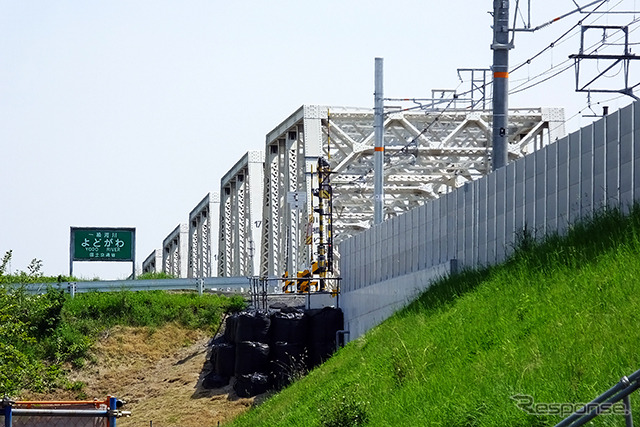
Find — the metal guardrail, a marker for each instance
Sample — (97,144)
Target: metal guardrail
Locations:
(233,285)
(605,402)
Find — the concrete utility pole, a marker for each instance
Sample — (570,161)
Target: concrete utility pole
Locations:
(501,47)
(378,154)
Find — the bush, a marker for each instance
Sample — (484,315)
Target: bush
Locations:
(42,332)
(344,411)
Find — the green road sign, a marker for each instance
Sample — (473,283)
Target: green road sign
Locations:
(103,244)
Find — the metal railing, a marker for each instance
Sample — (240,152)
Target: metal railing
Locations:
(264,287)
(235,285)
(605,402)
(59,413)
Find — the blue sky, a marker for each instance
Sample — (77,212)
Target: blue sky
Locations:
(126,113)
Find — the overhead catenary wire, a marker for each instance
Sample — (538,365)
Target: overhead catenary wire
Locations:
(588,106)
(514,91)
(521,87)
(561,39)
(516,68)
(593,48)
(556,70)
(413,140)
(552,44)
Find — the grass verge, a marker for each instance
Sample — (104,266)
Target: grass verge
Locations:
(41,333)
(557,323)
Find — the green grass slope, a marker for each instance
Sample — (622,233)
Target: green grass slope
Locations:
(41,334)
(559,322)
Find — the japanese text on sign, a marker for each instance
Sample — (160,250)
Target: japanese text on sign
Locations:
(94,244)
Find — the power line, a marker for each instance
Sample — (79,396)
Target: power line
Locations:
(404,148)
(559,40)
(592,48)
(513,92)
(528,61)
(520,88)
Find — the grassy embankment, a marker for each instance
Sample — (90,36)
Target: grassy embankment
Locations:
(560,322)
(40,334)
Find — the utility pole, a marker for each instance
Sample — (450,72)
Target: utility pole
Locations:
(378,154)
(501,47)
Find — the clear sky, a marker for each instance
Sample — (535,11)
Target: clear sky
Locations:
(126,113)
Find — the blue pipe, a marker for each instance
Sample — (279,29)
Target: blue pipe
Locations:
(112,411)
(7,415)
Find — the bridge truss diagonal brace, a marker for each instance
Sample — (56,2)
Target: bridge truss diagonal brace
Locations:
(204,223)
(175,252)
(423,160)
(240,218)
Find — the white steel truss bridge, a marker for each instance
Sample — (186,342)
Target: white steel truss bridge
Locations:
(427,153)
(241,216)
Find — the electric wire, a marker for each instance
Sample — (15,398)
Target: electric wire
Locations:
(555,43)
(522,88)
(528,61)
(588,106)
(514,91)
(591,49)
(563,38)
(407,145)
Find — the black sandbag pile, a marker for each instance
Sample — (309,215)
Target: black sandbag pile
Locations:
(252,354)
(323,323)
(213,380)
(288,346)
(252,326)
(223,359)
(250,385)
(266,350)
(223,356)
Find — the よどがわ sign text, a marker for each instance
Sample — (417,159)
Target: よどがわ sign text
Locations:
(102,244)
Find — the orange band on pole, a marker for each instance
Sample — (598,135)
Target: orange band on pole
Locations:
(501,74)
(378,148)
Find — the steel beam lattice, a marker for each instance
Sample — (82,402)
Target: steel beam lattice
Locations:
(153,263)
(203,244)
(241,216)
(175,252)
(427,153)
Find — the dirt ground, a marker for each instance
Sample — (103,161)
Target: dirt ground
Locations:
(158,373)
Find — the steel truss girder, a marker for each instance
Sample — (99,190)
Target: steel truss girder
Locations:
(426,154)
(153,263)
(241,200)
(175,248)
(203,246)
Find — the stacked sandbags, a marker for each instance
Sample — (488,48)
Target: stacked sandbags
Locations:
(262,350)
(223,357)
(323,323)
(252,354)
(250,385)
(288,346)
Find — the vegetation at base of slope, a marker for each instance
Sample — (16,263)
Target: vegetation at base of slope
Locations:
(155,276)
(34,274)
(41,333)
(557,323)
